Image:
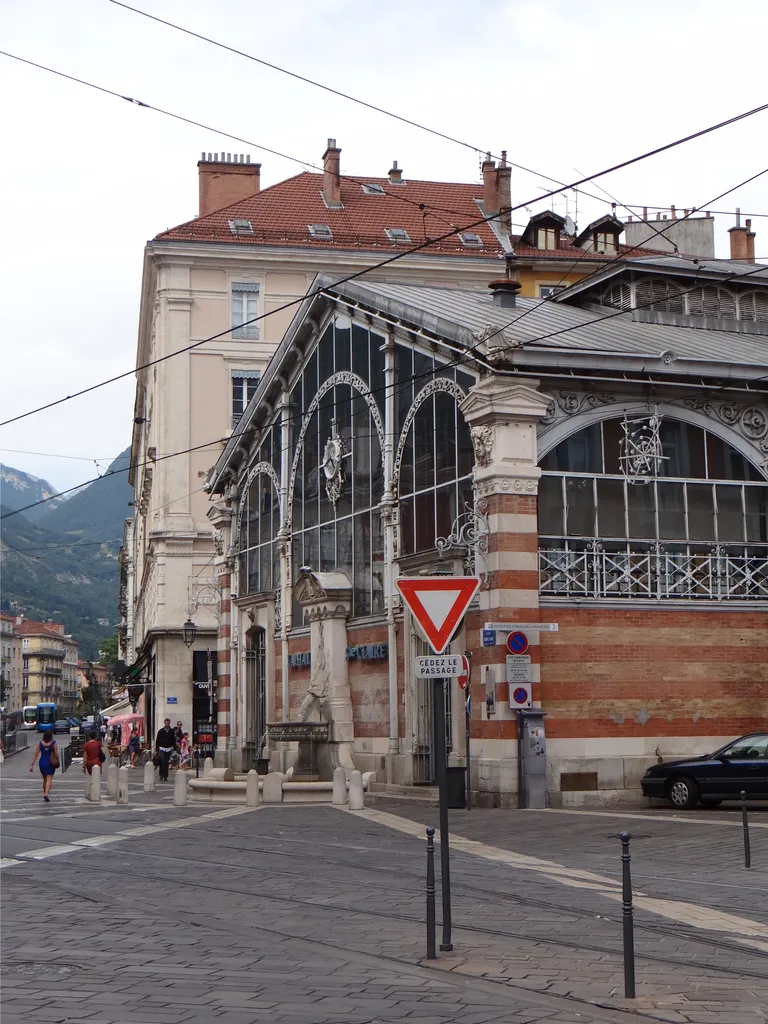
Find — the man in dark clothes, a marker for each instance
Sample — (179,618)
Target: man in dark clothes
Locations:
(165,744)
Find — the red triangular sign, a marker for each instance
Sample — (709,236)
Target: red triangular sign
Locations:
(438,604)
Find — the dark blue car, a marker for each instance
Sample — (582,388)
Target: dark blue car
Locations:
(739,767)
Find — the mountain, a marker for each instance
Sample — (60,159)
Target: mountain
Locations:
(18,489)
(101,506)
(64,566)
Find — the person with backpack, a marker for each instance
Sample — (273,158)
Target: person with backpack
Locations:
(48,753)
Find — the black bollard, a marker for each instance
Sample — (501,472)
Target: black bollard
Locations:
(431,951)
(745,826)
(628,922)
(197,763)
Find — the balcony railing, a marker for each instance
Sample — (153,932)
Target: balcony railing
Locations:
(569,570)
(49,652)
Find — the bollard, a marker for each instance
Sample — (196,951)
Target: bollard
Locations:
(88,782)
(272,791)
(628,921)
(745,827)
(252,788)
(431,940)
(149,778)
(95,778)
(339,786)
(180,789)
(122,785)
(112,782)
(356,802)
(207,767)
(197,763)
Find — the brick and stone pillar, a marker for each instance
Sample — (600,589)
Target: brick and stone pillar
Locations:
(502,415)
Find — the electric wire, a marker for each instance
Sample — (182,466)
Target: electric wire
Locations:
(386,262)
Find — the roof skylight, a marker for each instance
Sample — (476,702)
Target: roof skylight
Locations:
(371,189)
(471,240)
(241,227)
(320,231)
(397,235)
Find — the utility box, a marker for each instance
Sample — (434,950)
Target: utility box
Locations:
(533,756)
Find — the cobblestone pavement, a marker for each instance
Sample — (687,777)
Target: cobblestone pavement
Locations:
(308,914)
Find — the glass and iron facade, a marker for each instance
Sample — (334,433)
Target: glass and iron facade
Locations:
(699,529)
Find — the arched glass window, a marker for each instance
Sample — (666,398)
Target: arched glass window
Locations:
(699,529)
(336,523)
(259,563)
(436,456)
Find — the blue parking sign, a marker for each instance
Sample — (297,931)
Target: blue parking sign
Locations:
(489,638)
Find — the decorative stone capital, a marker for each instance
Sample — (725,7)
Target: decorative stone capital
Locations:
(324,595)
(498,399)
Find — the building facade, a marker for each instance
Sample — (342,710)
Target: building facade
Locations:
(10,662)
(600,461)
(49,664)
(221,291)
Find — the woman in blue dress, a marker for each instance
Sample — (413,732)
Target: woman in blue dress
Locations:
(45,750)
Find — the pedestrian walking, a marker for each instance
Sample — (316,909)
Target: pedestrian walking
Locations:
(184,761)
(92,752)
(48,753)
(134,745)
(165,744)
(179,734)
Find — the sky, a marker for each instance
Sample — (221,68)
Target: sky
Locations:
(566,88)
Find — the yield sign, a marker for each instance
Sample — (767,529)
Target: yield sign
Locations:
(438,604)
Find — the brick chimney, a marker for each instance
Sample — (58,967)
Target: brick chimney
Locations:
(332,176)
(504,180)
(226,178)
(395,174)
(490,186)
(742,240)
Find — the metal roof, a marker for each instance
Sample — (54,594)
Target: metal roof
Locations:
(546,326)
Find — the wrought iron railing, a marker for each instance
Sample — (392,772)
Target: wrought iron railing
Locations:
(651,571)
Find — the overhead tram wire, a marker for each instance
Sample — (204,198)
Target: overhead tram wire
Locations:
(466,357)
(377,266)
(364,103)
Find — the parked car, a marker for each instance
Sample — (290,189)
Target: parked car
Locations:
(62,725)
(740,766)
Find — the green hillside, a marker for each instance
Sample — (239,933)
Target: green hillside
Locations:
(103,505)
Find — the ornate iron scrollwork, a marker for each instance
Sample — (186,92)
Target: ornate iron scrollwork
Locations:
(470,531)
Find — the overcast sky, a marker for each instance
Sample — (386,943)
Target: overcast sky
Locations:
(87,178)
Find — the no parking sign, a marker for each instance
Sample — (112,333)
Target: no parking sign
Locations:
(517,642)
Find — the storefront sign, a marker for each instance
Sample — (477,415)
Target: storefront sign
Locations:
(302,660)
(368,652)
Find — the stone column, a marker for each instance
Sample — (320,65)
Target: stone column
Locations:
(220,516)
(326,597)
(502,414)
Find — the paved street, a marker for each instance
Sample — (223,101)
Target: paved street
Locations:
(307,915)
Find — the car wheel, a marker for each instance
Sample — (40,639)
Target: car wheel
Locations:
(706,802)
(683,793)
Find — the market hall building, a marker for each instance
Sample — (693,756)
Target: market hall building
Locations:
(599,459)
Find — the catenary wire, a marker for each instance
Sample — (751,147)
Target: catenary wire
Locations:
(389,260)
(466,357)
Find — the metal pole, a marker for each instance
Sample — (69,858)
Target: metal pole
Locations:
(628,922)
(520,779)
(745,826)
(197,762)
(442,783)
(467,721)
(431,951)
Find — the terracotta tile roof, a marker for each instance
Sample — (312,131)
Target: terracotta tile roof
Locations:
(32,628)
(280,215)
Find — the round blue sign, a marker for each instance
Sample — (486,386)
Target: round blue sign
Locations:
(517,643)
(520,695)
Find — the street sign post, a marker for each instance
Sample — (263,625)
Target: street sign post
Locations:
(438,604)
(518,668)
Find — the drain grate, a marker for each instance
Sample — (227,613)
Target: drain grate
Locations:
(37,970)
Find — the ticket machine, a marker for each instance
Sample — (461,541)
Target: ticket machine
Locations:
(532,757)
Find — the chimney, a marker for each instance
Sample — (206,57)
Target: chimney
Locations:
(331,176)
(504,189)
(395,174)
(738,237)
(750,241)
(226,178)
(490,186)
(505,289)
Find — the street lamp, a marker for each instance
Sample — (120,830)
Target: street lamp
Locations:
(188,632)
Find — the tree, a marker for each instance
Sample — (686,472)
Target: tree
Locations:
(109,653)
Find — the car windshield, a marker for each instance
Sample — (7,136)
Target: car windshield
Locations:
(747,748)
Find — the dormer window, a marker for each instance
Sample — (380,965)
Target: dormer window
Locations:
(543,231)
(547,238)
(605,243)
(397,235)
(241,227)
(601,236)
